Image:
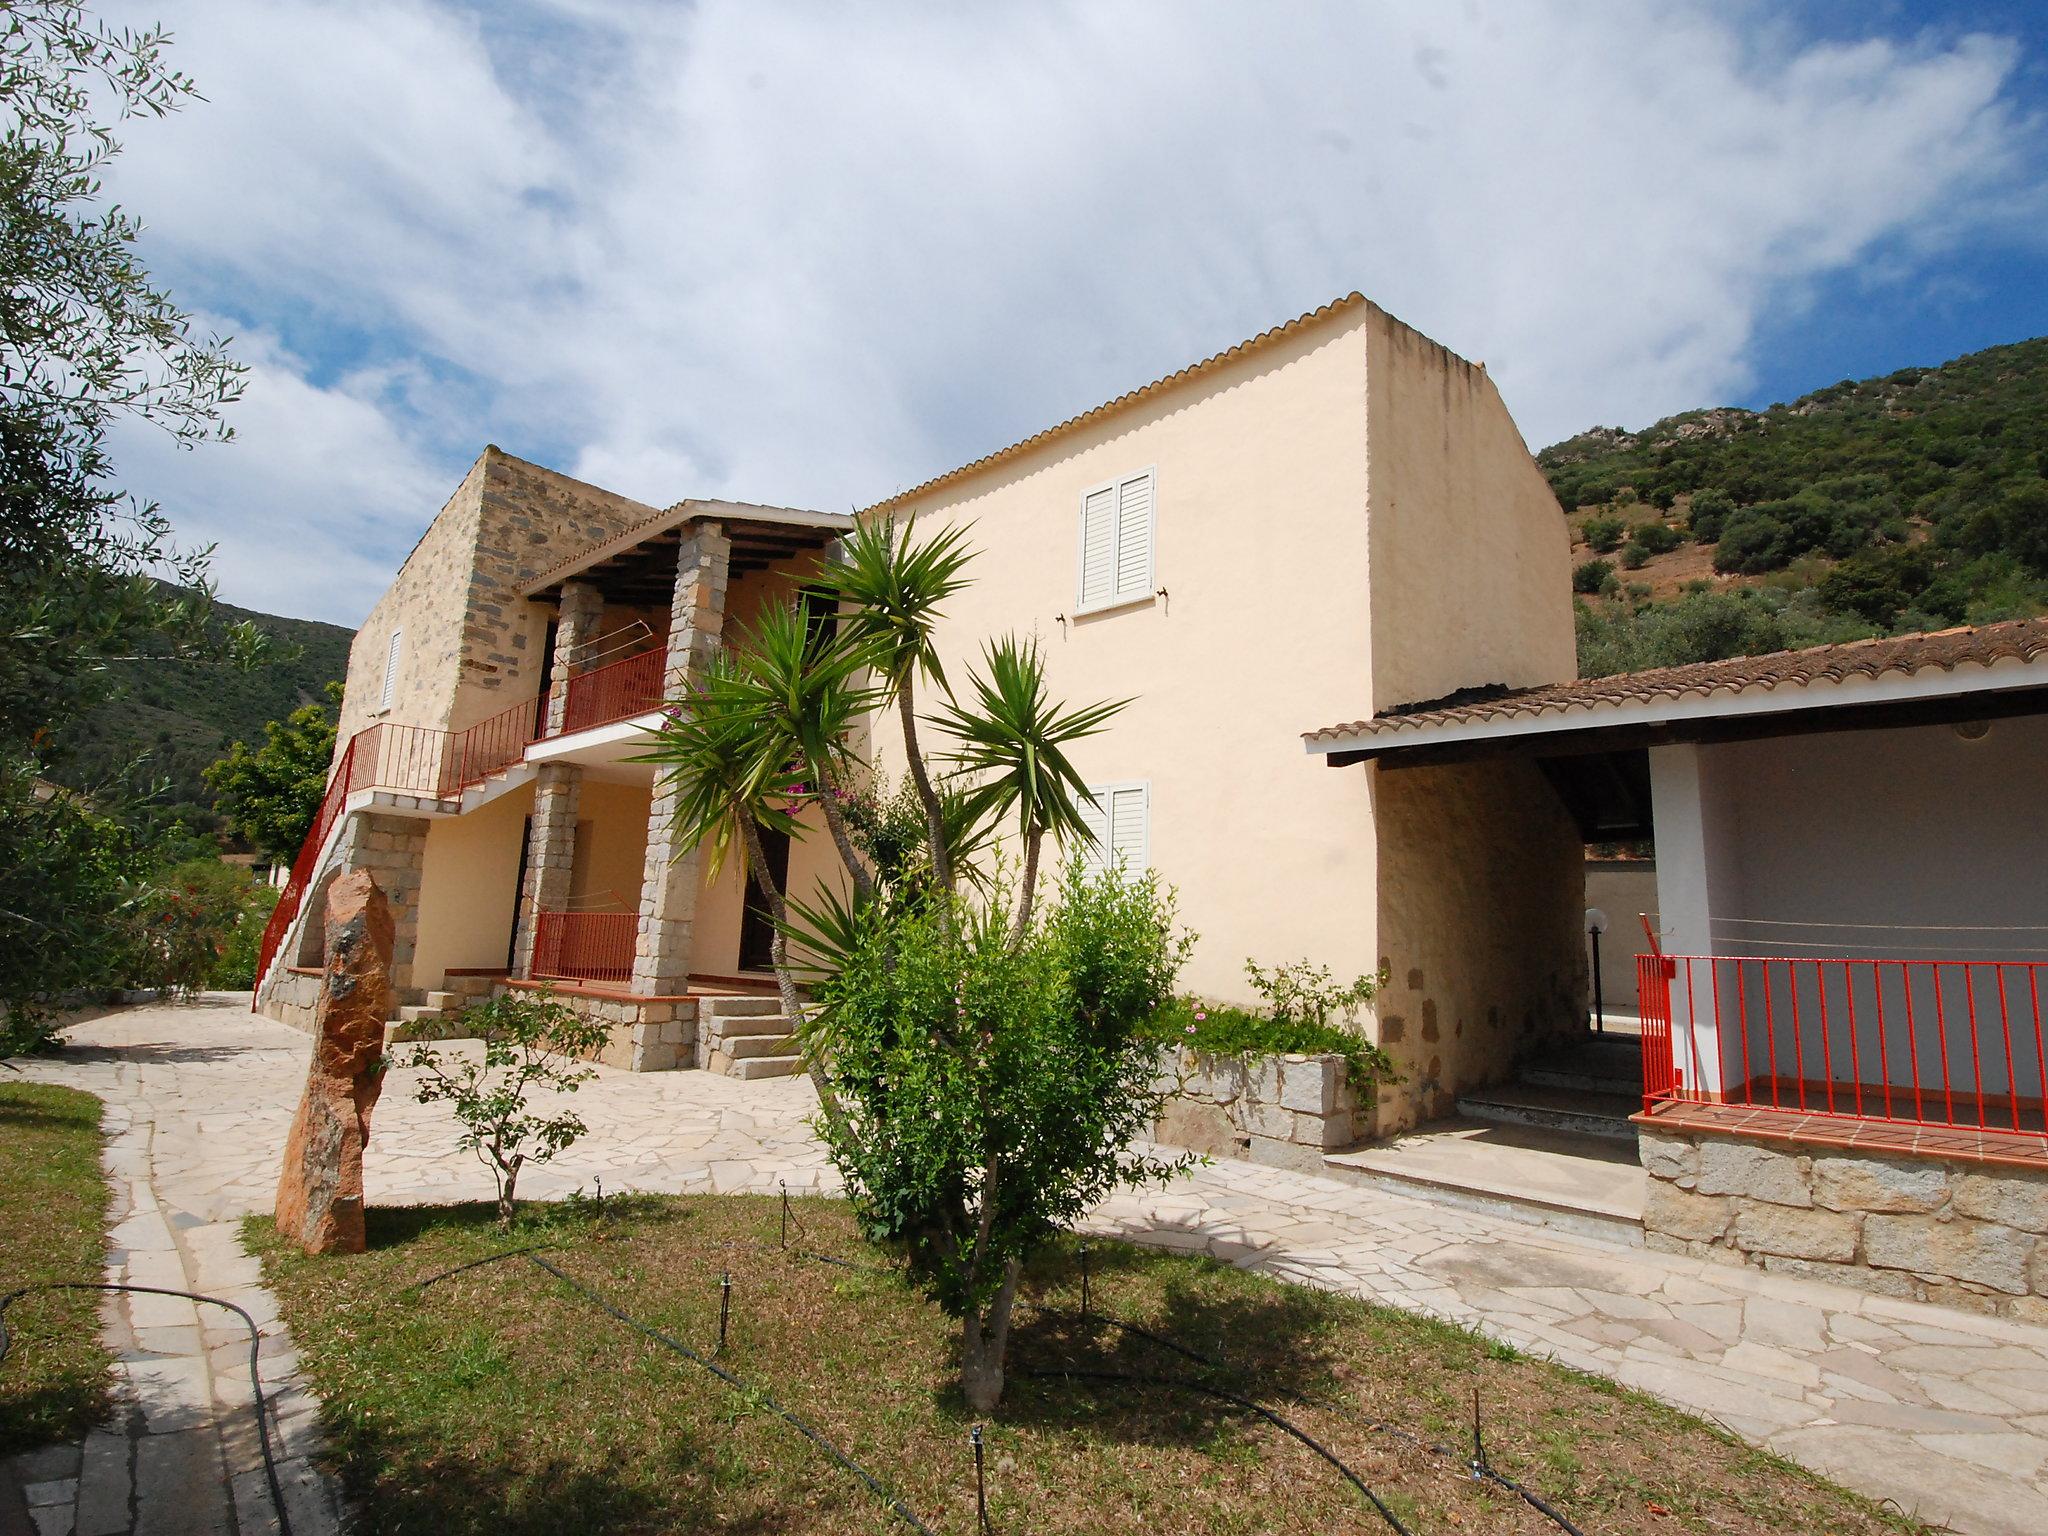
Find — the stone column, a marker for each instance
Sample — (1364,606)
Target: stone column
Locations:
(668,882)
(550,852)
(575,627)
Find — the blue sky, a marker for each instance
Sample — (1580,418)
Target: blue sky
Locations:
(810,253)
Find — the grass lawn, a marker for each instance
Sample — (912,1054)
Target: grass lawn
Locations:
(53,1212)
(500,1401)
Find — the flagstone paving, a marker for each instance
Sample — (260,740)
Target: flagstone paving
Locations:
(1942,1411)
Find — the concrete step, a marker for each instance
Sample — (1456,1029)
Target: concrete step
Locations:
(412,1013)
(751,1024)
(738,1007)
(1591,1066)
(1556,1109)
(751,1047)
(767,1066)
(440,1000)
(1588,1185)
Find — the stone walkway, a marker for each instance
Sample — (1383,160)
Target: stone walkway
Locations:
(1944,1412)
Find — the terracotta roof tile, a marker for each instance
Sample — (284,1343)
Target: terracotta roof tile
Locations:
(2024,640)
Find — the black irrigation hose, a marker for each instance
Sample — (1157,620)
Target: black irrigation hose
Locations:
(1477,1465)
(284,1523)
(1131,1378)
(532,1256)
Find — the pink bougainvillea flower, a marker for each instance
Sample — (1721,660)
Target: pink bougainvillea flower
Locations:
(1201,1016)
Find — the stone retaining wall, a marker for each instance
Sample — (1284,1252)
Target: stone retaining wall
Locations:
(1965,1234)
(293,997)
(648,1034)
(1286,1111)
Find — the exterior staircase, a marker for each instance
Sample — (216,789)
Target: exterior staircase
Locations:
(1589,1088)
(746,1037)
(439,1017)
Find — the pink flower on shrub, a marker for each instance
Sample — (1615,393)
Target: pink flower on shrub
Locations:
(1200,1017)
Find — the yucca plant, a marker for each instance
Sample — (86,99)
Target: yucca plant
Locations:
(1012,745)
(891,586)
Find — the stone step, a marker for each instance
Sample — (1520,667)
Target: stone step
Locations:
(1588,1185)
(1558,1109)
(412,1013)
(753,1024)
(1589,1070)
(441,1000)
(767,1066)
(751,1047)
(737,1007)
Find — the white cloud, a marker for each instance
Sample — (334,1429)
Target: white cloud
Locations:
(813,253)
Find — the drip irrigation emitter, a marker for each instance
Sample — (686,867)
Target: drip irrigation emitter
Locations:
(260,1403)
(724,1307)
(980,1482)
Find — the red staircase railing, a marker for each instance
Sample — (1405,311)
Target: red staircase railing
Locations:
(407,760)
(1920,1042)
(615,692)
(584,946)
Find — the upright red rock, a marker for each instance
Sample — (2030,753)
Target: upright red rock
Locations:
(320,1195)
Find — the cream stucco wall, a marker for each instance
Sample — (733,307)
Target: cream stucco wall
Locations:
(1470,556)
(1260,542)
(469,888)
(611,846)
(1481,902)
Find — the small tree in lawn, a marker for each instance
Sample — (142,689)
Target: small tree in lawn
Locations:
(530,1041)
(977,1054)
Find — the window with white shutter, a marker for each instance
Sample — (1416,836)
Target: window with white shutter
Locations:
(391,654)
(1116,542)
(1119,818)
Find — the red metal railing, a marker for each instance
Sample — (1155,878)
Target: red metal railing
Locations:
(405,759)
(294,892)
(584,946)
(618,691)
(1926,1042)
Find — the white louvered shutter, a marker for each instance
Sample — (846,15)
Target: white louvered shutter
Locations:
(1119,816)
(1130,829)
(1134,536)
(1098,546)
(391,654)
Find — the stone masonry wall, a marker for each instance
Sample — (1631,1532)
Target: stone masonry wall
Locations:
(648,1034)
(1284,1111)
(1964,1234)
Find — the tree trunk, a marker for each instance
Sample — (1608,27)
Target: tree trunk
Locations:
(1032,842)
(934,815)
(508,1189)
(985,1338)
(835,823)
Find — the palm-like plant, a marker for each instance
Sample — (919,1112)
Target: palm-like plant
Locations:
(801,696)
(894,585)
(1013,743)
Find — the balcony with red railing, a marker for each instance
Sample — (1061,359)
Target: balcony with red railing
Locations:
(584,946)
(617,691)
(1945,1057)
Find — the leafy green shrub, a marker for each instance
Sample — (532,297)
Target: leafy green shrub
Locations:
(1654,538)
(530,1041)
(1633,556)
(1593,577)
(974,1068)
(1707,626)
(186,917)
(236,969)
(1302,993)
(1602,534)
(1707,512)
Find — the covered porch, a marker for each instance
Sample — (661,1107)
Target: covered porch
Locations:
(1851,919)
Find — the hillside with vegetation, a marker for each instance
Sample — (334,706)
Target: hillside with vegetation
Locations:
(1914,501)
(166,721)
